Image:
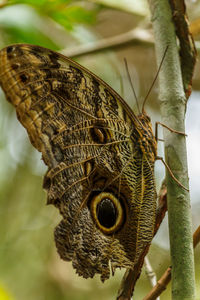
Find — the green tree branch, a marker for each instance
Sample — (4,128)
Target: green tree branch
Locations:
(173,107)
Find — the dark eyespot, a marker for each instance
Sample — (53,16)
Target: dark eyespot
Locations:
(107,212)
(98,135)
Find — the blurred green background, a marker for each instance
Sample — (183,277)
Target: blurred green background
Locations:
(29,265)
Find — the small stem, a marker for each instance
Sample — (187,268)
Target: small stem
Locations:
(166,277)
(150,273)
(137,35)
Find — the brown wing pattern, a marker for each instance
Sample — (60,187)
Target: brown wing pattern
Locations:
(99,155)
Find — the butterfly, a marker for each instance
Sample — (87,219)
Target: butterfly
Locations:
(100,157)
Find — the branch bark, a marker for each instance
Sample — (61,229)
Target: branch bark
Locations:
(173,107)
(187,48)
(166,277)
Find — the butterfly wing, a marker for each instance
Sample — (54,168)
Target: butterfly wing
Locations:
(88,139)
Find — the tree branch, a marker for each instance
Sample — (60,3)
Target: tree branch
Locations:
(160,286)
(150,273)
(166,277)
(137,35)
(187,47)
(173,102)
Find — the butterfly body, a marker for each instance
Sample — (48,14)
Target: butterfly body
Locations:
(100,157)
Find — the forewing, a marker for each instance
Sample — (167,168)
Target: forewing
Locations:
(86,134)
(73,118)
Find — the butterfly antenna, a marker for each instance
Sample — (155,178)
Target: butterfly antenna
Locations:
(129,77)
(155,78)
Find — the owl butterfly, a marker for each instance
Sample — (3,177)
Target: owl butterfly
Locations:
(100,157)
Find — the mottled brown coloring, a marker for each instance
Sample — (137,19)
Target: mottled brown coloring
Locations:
(97,151)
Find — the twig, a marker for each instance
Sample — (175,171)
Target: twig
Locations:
(196,237)
(166,277)
(137,35)
(130,277)
(160,286)
(150,272)
(162,207)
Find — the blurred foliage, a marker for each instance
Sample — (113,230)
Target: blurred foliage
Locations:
(65,12)
(134,6)
(29,265)
(42,21)
(27,35)
(4,295)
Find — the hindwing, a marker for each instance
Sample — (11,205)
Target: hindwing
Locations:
(100,157)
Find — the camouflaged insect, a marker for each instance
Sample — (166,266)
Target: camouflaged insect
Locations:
(100,157)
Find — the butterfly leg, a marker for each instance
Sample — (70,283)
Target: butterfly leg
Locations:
(170,129)
(160,158)
(171,174)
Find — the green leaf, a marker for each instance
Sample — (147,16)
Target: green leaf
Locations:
(14,34)
(4,294)
(65,12)
(39,3)
(71,16)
